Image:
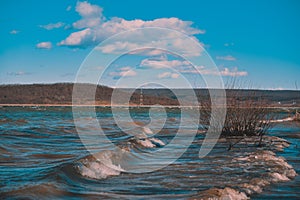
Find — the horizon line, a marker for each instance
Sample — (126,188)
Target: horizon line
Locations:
(55,83)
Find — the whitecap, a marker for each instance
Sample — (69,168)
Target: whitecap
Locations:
(157,142)
(146,143)
(99,165)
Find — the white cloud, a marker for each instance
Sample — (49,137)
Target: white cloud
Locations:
(44,45)
(228,58)
(91,15)
(52,25)
(80,37)
(161,62)
(168,75)
(224,72)
(13,32)
(96,28)
(156,43)
(158,64)
(85,9)
(147,51)
(68,8)
(123,72)
(209,71)
(183,66)
(116,25)
(117,46)
(229,44)
(128,73)
(234,72)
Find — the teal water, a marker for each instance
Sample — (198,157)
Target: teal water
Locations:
(290,189)
(40,151)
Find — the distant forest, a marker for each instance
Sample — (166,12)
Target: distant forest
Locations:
(61,93)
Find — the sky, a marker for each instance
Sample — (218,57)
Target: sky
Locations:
(254,41)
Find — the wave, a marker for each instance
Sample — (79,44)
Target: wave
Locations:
(288,119)
(149,142)
(102,165)
(278,170)
(99,165)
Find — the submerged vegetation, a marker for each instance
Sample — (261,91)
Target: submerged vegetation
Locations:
(247,119)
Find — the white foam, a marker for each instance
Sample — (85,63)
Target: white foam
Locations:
(147,130)
(97,170)
(282,120)
(279,169)
(157,142)
(146,143)
(150,142)
(99,165)
(276,177)
(226,193)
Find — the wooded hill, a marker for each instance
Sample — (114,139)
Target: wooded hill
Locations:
(61,93)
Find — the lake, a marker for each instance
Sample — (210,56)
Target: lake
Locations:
(42,156)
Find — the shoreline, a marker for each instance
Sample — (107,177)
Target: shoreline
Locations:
(122,105)
(85,105)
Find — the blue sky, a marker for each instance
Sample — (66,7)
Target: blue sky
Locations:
(256,41)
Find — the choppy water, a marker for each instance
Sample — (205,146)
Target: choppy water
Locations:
(41,154)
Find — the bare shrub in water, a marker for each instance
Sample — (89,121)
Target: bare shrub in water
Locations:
(247,117)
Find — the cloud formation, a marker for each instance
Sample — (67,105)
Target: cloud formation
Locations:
(14,32)
(158,64)
(224,72)
(183,66)
(168,75)
(123,72)
(69,8)
(44,45)
(94,28)
(229,44)
(52,26)
(234,72)
(227,58)
(91,15)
